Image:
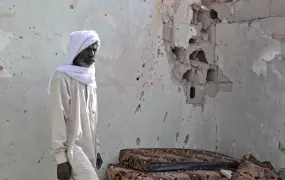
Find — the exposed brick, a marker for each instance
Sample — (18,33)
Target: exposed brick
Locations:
(199,95)
(211,89)
(208,50)
(201,77)
(251,9)
(225,11)
(182,34)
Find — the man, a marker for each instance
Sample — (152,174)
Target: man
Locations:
(74,110)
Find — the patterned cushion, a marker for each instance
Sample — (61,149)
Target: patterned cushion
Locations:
(250,169)
(121,172)
(156,159)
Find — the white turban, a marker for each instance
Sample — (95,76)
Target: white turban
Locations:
(79,40)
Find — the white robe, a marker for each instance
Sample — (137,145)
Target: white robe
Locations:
(74,113)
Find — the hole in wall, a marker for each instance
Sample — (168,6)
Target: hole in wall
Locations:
(198,54)
(187,75)
(201,56)
(204,31)
(213,14)
(193,55)
(192,92)
(192,40)
(178,53)
(138,141)
(211,75)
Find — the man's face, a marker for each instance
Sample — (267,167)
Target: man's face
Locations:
(87,57)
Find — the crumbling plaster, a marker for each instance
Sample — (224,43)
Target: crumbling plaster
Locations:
(144,101)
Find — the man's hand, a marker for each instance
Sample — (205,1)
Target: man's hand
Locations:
(64,171)
(99,161)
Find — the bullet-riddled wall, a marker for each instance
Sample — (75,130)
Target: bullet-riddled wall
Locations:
(170,73)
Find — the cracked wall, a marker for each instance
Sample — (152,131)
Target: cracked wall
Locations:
(170,73)
(228,60)
(192,57)
(139,103)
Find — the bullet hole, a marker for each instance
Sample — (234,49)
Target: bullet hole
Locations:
(25,111)
(204,31)
(198,54)
(21,37)
(157,138)
(138,141)
(106,14)
(56,53)
(186,139)
(192,40)
(177,137)
(143,65)
(187,75)
(165,116)
(138,78)
(14,74)
(138,108)
(192,92)
(7,120)
(39,161)
(71,6)
(142,95)
(178,53)
(1,68)
(158,52)
(211,75)
(213,14)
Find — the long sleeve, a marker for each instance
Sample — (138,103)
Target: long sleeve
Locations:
(97,135)
(59,106)
(97,144)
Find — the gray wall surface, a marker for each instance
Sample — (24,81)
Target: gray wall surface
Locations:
(170,73)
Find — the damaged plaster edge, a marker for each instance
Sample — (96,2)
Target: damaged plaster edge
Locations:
(5,39)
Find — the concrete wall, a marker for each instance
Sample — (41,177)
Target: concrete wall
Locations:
(170,74)
(250,52)
(139,104)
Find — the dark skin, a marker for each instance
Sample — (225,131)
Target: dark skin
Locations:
(84,59)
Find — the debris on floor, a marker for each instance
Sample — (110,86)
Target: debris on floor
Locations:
(186,164)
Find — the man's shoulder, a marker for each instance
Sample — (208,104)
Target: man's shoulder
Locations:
(60,76)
